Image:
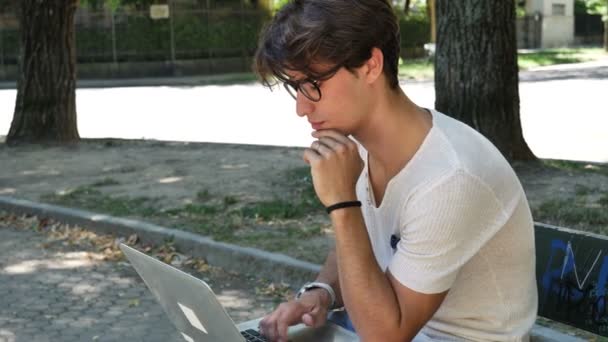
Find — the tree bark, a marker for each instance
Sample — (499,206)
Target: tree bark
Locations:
(476,72)
(606,28)
(430,5)
(45,109)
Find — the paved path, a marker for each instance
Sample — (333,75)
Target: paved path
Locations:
(52,292)
(562,109)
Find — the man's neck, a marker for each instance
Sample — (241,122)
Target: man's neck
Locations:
(393,133)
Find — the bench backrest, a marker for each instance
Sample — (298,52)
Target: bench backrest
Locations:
(572,277)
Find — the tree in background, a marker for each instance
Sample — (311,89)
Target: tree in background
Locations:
(45,109)
(476,72)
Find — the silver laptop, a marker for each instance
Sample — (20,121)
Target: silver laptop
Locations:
(197,314)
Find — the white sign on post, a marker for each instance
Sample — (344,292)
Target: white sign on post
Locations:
(159,11)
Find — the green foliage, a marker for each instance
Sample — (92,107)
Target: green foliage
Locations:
(278,4)
(100,4)
(520,12)
(197,34)
(591,7)
(415,29)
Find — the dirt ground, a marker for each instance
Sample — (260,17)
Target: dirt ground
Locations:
(251,195)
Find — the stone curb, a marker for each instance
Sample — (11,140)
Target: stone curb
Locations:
(274,266)
(245,260)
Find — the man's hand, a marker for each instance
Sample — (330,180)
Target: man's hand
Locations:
(335,166)
(310,309)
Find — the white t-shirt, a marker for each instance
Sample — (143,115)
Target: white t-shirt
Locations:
(465,225)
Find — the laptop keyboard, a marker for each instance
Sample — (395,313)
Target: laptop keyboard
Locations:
(253,336)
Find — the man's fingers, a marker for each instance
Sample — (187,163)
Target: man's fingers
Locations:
(321,148)
(275,325)
(310,156)
(282,326)
(267,325)
(332,134)
(319,316)
(308,320)
(331,143)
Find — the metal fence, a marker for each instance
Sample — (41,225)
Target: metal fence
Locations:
(589,28)
(131,35)
(529,30)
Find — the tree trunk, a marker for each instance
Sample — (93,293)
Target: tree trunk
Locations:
(606,28)
(406,7)
(476,72)
(45,110)
(430,5)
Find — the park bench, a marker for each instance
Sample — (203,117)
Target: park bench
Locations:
(572,279)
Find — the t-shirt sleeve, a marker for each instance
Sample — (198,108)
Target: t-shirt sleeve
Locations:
(442,227)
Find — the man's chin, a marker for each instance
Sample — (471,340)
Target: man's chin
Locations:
(341,131)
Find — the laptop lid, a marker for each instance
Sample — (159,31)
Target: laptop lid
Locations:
(189,302)
(194,310)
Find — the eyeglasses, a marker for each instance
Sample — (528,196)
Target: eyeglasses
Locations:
(309,87)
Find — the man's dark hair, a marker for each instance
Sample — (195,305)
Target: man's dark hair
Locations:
(340,33)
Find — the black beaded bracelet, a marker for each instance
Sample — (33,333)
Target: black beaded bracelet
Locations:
(343,205)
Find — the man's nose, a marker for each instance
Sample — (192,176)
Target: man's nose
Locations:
(304,105)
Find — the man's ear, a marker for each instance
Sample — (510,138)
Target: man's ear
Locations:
(374,66)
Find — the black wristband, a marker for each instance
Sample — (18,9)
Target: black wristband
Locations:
(343,205)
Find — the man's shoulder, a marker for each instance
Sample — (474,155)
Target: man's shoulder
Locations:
(471,151)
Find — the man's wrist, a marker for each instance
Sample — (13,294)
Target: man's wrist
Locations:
(325,291)
(321,294)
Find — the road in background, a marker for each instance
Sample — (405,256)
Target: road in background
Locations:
(563,111)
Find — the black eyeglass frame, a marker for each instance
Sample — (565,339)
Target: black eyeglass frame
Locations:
(293,87)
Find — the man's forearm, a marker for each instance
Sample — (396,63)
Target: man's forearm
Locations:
(371,301)
(329,275)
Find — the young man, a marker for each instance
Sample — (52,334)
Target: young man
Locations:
(441,244)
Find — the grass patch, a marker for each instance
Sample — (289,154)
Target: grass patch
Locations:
(565,213)
(533,59)
(271,210)
(300,202)
(89,198)
(423,68)
(203,195)
(105,182)
(569,165)
(271,225)
(301,183)
(417,69)
(230,200)
(193,210)
(582,190)
(587,211)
